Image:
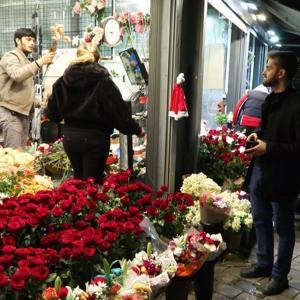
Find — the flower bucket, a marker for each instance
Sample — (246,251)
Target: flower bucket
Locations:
(233,241)
(212,215)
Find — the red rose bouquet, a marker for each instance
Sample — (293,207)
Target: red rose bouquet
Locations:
(221,155)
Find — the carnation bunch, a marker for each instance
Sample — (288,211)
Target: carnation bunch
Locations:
(197,184)
(239,217)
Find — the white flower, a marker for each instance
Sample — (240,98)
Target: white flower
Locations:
(229,140)
(230,117)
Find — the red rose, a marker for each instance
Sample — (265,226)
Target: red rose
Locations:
(62,292)
(57,211)
(8,240)
(6,259)
(103,245)
(169,217)
(125,200)
(80,224)
(15,223)
(81,201)
(8,249)
(23,262)
(41,273)
(65,253)
(17,282)
(24,272)
(89,252)
(42,212)
(181,207)
(3,280)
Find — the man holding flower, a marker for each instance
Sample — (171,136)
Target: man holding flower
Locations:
(274,173)
(17,87)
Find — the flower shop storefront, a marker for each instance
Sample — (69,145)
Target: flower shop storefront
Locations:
(68,239)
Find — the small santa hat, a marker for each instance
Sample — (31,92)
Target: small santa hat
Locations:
(178,107)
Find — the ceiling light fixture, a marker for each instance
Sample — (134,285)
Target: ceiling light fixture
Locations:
(278,45)
(271,32)
(252,6)
(261,17)
(274,39)
(244,5)
(254,17)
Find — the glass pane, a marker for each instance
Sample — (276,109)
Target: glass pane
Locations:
(215,64)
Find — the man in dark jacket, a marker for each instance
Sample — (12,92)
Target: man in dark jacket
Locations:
(274,174)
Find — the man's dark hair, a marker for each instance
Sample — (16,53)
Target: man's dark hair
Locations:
(286,60)
(21,32)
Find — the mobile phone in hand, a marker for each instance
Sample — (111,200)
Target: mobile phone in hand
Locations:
(251,144)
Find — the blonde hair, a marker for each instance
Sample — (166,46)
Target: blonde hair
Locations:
(86,53)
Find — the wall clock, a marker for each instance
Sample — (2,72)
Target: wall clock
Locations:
(112,32)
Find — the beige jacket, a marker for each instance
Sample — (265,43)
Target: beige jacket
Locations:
(16,82)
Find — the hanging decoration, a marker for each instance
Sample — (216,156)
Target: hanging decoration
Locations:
(95,8)
(178,106)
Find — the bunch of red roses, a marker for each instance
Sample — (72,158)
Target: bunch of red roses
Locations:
(69,230)
(166,210)
(60,231)
(221,154)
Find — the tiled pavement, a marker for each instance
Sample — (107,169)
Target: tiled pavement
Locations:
(229,285)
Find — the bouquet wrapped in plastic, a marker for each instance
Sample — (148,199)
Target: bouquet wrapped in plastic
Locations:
(160,267)
(214,208)
(189,253)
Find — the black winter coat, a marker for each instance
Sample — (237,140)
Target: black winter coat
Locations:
(86,97)
(280,129)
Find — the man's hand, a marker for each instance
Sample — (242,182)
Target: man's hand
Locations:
(259,149)
(252,137)
(46,59)
(142,134)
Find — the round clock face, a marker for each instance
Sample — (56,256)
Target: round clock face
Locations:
(111,32)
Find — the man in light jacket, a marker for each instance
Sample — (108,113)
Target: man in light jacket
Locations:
(17,88)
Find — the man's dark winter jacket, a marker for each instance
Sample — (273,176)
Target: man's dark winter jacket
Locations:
(280,129)
(86,97)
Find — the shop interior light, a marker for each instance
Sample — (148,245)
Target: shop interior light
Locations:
(261,17)
(244,5)
(271,32)
(254,17)
(252,6)
(278,45)
(274,39)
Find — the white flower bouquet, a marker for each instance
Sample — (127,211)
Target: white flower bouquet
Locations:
(239,217)
(198,184)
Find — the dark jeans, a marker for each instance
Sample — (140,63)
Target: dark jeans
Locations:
(87,150)
(264,214)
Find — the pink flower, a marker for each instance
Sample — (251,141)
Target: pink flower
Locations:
(77,8)
(101,4)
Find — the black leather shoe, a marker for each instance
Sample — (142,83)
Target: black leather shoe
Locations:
(275,286)
(255,271)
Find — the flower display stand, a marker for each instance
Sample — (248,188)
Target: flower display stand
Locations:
(233,241)
(204,281)
(178,288)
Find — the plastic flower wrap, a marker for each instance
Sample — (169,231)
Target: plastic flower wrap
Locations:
(197,184)
(221,155)
(160,267)
(189,252)
(215,208)
(240,217)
